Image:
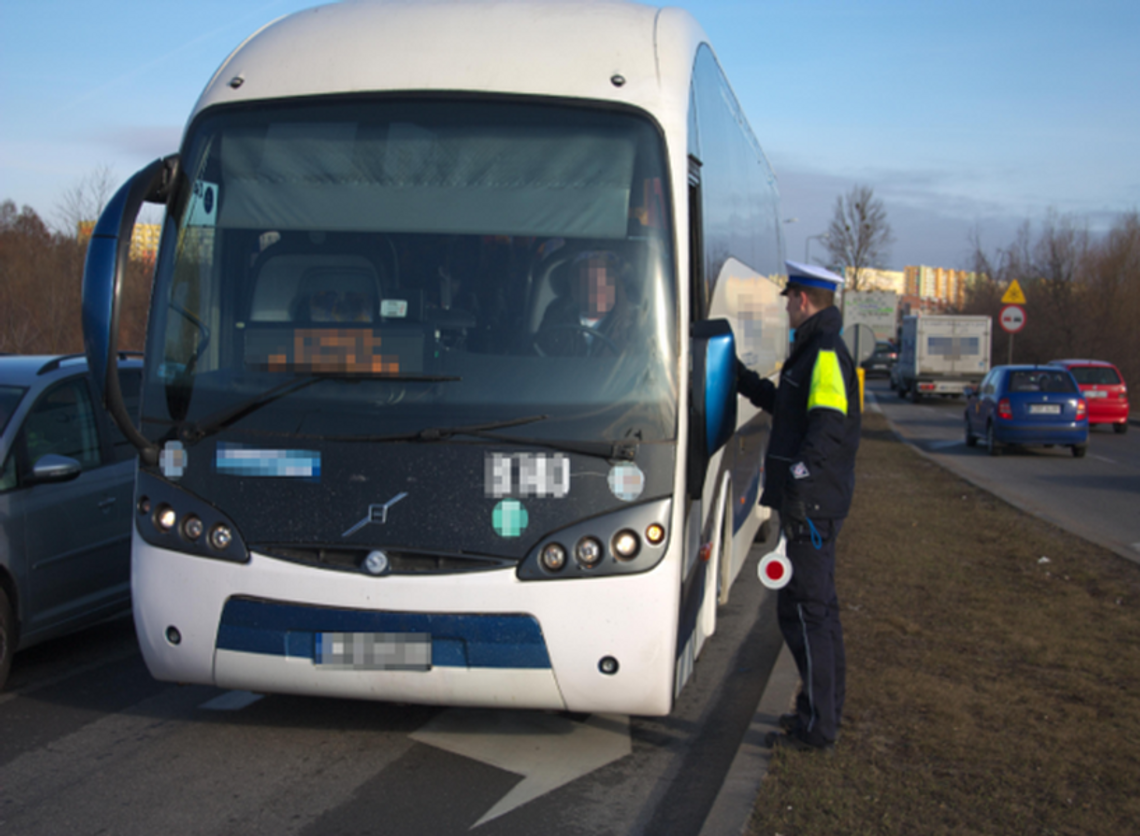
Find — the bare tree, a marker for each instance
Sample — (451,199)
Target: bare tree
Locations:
(859,236)
(85,200)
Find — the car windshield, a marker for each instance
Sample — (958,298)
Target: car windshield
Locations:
(1040,380)
(1095,375)
(9,399)
(431,263)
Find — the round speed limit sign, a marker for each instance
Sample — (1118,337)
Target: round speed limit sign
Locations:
(1012,318)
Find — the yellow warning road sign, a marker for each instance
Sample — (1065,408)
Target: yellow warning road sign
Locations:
(1013,296)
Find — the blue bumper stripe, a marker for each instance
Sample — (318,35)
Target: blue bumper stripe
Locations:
(458,641)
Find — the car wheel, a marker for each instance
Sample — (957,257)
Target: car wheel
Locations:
(902,391)
(7,637)
(971,439)
(1120,429)
(1079,450)
(991,442)
(915,395)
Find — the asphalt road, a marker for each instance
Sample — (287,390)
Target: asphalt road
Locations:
(1096,497)
(89,743)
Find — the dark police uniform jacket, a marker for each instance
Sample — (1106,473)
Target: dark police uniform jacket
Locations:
(815,421)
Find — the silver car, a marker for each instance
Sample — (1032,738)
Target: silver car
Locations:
(66,492)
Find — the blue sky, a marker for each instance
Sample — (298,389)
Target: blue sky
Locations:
(959,115)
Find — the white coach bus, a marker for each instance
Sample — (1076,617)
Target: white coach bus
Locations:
(439,397)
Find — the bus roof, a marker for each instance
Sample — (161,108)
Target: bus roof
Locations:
(565,48)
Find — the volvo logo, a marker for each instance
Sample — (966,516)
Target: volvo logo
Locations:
(376,514)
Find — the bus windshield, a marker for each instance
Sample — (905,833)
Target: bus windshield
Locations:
(430,263)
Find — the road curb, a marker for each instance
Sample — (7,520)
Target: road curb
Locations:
(732,810)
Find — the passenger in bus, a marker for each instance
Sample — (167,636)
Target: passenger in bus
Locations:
(809,478)
(593,313)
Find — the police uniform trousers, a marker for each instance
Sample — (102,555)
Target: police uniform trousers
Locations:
(808,613)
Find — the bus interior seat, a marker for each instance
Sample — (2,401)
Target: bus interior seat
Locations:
(552,282)
(285,284)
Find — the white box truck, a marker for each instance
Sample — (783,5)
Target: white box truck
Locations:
(941,355)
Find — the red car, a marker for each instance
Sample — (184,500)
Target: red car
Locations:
(1103,388)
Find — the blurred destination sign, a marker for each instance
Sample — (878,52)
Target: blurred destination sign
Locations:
(1013,296)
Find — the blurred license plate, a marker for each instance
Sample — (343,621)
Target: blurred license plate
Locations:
(374,651)
(1044,409)
(1096,394)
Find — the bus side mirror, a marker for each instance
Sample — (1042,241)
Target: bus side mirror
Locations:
(102,286)
(712,395)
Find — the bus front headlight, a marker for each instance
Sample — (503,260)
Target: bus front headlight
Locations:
(626,545)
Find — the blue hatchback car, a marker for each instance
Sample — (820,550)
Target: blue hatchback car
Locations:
(1027,405)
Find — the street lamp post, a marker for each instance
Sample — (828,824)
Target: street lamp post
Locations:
(807,244)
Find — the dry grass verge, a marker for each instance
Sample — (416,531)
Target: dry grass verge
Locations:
(994,670)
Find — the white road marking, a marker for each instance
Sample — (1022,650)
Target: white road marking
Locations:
(1103,459)
(548,750)
(231,701)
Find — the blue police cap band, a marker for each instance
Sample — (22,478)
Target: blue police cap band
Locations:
(804,280)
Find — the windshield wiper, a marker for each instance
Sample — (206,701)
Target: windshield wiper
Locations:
(441,433)
(196,431)
(625,450)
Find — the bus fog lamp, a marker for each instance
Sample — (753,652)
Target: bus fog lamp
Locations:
(655,534)
(608,665)
(553,557)
(173,635)
(626,545)
(588,552)
(221,536)
(165,518)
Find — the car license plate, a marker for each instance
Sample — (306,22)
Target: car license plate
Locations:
(374,651)
(1096,394)
(1044,409)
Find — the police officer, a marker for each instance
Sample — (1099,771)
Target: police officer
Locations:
(809,478)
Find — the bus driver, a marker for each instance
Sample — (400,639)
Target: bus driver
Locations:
(593,315)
